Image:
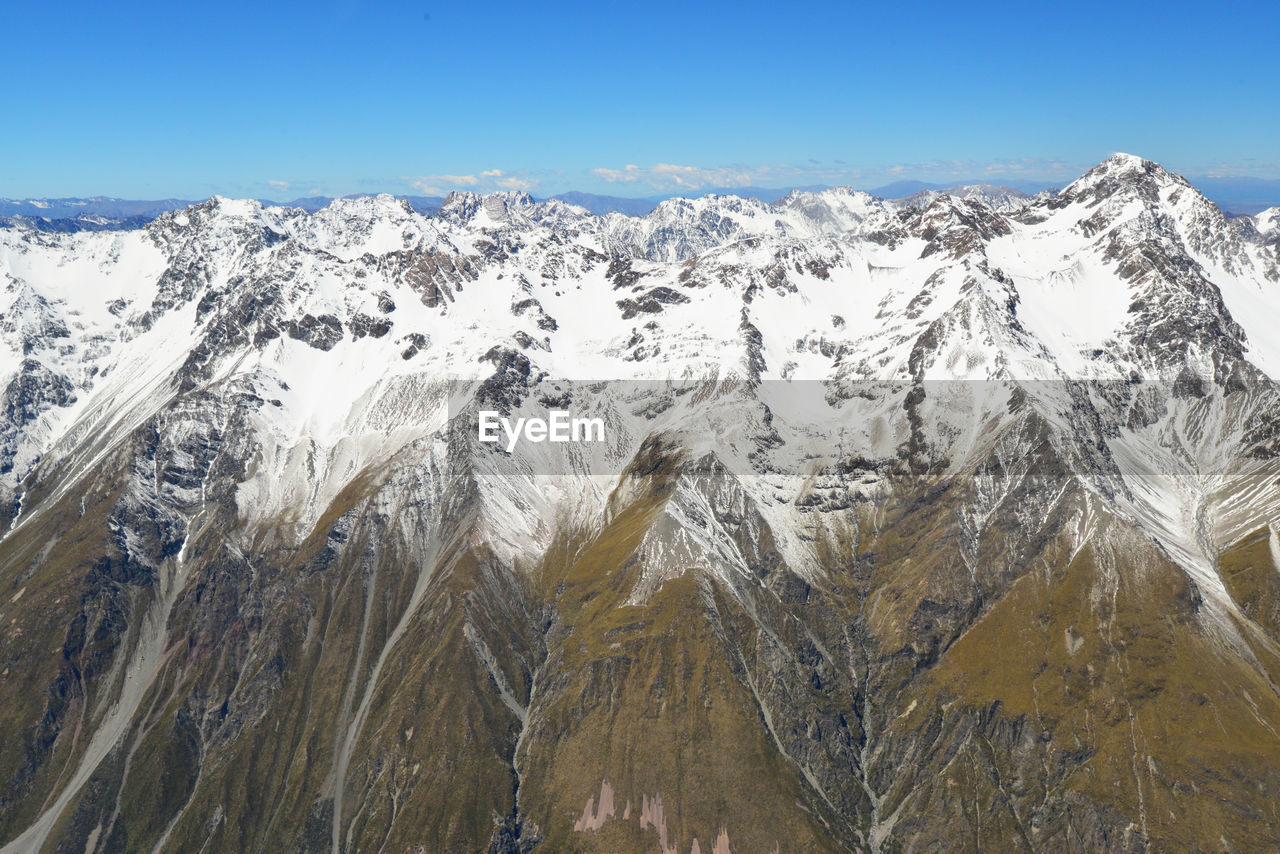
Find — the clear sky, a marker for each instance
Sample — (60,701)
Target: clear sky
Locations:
(281,100)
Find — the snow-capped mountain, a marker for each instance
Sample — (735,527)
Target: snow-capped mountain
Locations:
(1003,199)
(1267,221)
(917,520)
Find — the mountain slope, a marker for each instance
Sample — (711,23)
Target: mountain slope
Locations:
(939,525)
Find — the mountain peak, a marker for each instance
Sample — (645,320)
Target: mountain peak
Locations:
(370,206)
(1121,158)
(1125,179)
(1120,170)
(515,197)
(463,206)
(245,208)
(998,198)
(1267,221)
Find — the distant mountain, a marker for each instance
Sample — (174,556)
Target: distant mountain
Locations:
(105,212)
(100,206)
(1235,196)
(425,205)
(764,194)
(600,205)
(639,206)
(84,222)
(1004,199)
(907,193)
(902,189)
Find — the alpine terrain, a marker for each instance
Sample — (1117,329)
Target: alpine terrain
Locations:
(945,524)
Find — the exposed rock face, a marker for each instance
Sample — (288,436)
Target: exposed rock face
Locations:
(935,526)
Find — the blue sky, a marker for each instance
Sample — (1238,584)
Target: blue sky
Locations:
(150,100)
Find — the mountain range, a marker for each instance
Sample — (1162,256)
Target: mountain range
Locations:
(942,523)
(1238,196)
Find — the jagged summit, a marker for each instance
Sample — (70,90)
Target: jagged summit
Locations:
(511,198)
(1122,163)
(1095,285)
(231,207)
(508,209)
(1268,221)
(831,192)
(1123,160)
(370,205)
(1003,199)
(1123,172)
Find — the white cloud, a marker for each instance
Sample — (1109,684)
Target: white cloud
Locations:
(672,176)
(438,185)
(1253,169)
(628,174)
(278,185)
(486,181)
(511,182)
(1022,168)
(667,176)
